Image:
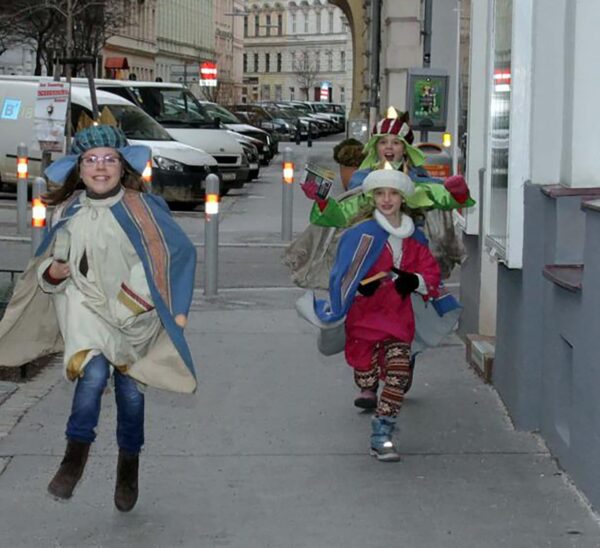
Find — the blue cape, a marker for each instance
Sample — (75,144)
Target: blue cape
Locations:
(167,254)
(358,249)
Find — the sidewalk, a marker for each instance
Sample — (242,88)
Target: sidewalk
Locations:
(271,453)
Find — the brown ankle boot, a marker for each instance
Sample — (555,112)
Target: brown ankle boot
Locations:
(70,471)
(126,489)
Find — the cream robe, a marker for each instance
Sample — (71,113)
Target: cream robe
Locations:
(109,310)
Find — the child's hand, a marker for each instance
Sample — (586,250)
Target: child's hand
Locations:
(310,189)
(457,187)
(406,282)
(368,290)
(59,270)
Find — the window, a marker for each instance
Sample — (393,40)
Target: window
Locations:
(256,25)
(267,62)
(265,92)
(292,92)
(294,23)
(278,93)
(342,60)
(279,62)
(245,62)
(330,22)
(318,61)
(500,123)
(256,62)
(318,14)
(268,25)
(329,61)
(279,24)
(306,23)
(342,94)
(245,25)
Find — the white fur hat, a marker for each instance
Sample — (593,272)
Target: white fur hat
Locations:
(389,178)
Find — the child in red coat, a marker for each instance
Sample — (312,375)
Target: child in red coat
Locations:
(380,323)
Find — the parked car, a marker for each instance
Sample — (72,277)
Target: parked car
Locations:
(251,153)
(256,115)
(178,170)
(176,108)
(231,121)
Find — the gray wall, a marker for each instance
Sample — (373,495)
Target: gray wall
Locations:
(470,283)
(548,337)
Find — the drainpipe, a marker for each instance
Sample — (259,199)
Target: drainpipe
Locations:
(375,48)
(426,47)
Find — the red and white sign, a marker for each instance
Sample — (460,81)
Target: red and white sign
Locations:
(51,114)
(208,74)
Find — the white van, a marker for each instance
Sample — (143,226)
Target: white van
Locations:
(175,108)
(178,170)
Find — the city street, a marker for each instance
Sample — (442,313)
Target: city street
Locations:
(270,452)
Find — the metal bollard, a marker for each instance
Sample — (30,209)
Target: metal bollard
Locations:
(38,213)
(22,180)
(309,137)
(211,235)
(298,133)
(287,197)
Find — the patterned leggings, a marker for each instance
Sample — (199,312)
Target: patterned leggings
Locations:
(394,369)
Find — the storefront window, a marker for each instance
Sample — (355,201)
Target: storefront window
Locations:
(500,123)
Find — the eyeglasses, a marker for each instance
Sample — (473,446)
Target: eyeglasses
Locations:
(93,160)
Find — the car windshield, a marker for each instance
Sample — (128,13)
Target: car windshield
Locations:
(217,111)
(173,106)
(136,124)
(280,113)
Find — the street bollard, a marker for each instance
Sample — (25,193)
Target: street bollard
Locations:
(38,213)
(309,138)
(287,197)
(298,133)
(22,180)
(211,235)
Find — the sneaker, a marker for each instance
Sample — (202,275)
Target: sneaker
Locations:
(382,446)
(385,452)
(367,399)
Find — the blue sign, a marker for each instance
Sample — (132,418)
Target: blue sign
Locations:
(10,109)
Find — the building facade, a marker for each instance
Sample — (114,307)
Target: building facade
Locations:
(531,275)
(229,49)
(293,50)
(185,35)
(132,51)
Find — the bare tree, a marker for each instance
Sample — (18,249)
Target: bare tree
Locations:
(211,93)
(306,72)
(45,26)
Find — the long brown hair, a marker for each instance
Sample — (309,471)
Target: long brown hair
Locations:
(58,194)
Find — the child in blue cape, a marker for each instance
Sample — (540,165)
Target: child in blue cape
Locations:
(110,287)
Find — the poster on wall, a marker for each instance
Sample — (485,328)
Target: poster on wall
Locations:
(427,98)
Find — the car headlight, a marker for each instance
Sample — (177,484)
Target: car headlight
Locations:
(166,164)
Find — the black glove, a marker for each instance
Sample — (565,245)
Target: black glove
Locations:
(367,290)
(406,282)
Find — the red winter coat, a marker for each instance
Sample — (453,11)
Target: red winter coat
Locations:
(386,314)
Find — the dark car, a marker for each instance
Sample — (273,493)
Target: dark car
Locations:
(231,121)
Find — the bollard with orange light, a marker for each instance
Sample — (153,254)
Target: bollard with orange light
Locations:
(22,181)
(287,196)
(211,235)
(147,173)
(447,140)
(38,213)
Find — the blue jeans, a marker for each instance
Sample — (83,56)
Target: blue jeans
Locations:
(85,410)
